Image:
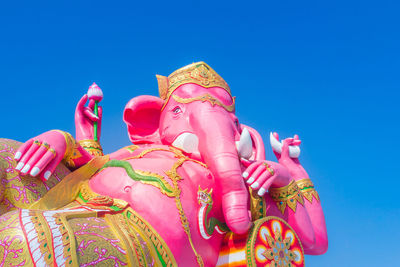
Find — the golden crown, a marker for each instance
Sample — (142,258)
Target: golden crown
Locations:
(198,73)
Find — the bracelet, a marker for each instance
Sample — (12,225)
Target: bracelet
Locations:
(258,206)
(307,189)
(286,196)
(92,147)
(71,151)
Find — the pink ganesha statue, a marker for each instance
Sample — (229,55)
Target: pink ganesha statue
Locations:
(194,188)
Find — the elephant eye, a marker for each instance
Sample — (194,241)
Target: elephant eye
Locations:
(176,110)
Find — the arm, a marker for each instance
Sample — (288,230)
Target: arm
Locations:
(290,196)
(88,128)
(311,199)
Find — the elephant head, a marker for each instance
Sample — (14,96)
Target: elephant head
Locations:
(196,112)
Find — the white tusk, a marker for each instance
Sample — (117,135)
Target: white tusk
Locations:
(275,144)
(245,145)
(188,142)
(294,151)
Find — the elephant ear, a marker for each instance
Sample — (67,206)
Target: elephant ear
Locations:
(142,116)
(258,144)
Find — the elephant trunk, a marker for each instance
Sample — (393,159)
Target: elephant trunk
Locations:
(216,132)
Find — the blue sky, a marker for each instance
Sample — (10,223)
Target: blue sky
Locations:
(326,71)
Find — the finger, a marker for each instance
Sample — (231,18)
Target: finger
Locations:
(266,185)
(32,149)
(287,141)
(49,169)
(296,140)
(91,104)
(100,110)
(296,143)
(32,161)
(22,149)
(264,188)
(89,114)
(285,146)
(261,180)
(48,156)
(253,180)
(264,182)
(82,102)
(250,169)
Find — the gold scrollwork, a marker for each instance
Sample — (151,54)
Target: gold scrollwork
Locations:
(93,147)
(257,205)
(306,187)
(197,73)
(287,196)
(206,97)
(70,148)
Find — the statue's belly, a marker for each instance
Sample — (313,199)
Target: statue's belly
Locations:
(165,196)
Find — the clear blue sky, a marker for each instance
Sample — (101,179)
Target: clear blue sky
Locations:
(327,71)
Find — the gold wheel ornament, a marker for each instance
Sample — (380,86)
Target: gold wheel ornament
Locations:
(272,242)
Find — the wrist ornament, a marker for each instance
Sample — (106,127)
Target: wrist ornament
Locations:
(92,147)
(71,149)
(286,196)
(307,189)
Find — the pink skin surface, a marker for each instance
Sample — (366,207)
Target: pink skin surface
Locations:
(36,159)
(217,131)
(155,207)
(84,119)
(314,209)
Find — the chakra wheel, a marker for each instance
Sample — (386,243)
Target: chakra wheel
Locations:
(273,243)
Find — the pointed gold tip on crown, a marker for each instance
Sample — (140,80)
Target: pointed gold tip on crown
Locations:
(162,86)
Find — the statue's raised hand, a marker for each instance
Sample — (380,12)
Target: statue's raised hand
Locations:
(42,154)
(85,119)
(287,152)
(88,119)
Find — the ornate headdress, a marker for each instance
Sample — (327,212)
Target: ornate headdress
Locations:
(198,73)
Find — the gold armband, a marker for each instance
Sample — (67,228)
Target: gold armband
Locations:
(92,147)
(71,151)
(307,189)
(287,196)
